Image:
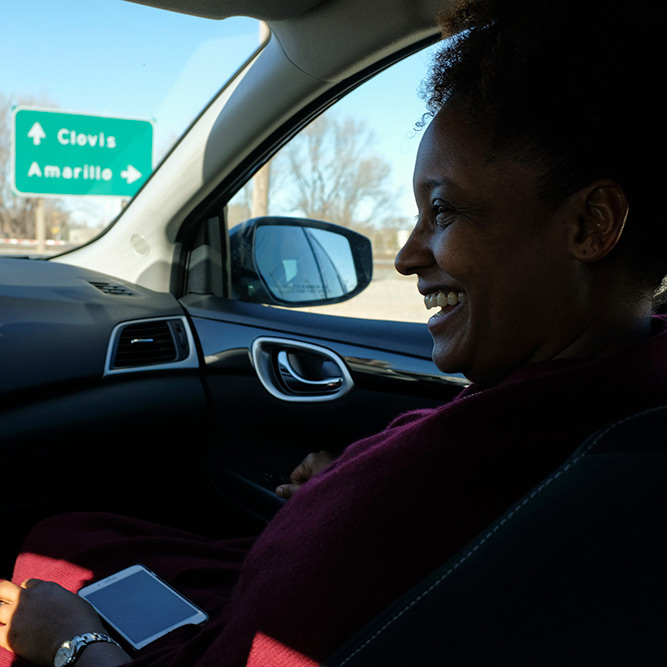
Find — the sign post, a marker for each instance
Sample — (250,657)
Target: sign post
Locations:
(58,153)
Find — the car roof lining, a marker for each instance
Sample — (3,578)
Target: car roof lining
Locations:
(315,35)
(264,10)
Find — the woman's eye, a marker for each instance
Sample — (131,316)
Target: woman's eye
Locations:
(443,213)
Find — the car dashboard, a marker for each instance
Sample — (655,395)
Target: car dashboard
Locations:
(59,324)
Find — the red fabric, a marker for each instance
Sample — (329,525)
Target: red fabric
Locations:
(379,519)
(267,652)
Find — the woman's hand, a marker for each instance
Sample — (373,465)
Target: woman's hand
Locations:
(39,615)
(311,465)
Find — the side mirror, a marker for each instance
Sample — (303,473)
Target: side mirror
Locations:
(297,262)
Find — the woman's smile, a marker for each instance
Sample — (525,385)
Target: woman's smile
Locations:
(447,301)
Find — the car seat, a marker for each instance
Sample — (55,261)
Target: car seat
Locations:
(573,574)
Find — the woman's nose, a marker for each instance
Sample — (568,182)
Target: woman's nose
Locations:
(414,254)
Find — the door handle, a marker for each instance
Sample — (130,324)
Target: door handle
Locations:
(294,370)
(297,383)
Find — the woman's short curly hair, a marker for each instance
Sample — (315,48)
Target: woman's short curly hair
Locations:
(574,87)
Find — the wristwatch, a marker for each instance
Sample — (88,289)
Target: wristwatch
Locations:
(71,649)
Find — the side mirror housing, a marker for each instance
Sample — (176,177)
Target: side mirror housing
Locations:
(298,262)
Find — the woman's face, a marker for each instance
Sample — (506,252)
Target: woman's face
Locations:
(491,257)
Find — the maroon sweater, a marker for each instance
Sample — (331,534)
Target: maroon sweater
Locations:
(390,510)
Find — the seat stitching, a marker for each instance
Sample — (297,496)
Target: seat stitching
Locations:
(496,528)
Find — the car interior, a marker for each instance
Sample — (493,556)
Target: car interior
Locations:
(181,385)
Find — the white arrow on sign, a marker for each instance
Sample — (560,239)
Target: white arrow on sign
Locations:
(130,174)
(37,134)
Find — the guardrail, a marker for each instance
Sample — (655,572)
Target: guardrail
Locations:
(9,246)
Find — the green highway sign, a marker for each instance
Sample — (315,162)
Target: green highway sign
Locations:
(62,153)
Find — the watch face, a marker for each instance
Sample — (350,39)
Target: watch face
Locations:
(64,654)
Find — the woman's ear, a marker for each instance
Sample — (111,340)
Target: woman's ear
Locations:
(602,211)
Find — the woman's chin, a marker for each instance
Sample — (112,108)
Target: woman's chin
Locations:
(446,360)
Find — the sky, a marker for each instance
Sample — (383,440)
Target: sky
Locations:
(111,57)
(119,58)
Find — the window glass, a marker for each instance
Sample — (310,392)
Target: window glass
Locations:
(81,81)
(353,166)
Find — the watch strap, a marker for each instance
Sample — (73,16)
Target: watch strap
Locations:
(72,648)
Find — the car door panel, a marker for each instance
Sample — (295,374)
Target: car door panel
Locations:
(256,437)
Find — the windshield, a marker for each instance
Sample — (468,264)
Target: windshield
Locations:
(93,95)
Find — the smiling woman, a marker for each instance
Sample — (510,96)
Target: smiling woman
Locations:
(538,186)
(518,278)
(530,226)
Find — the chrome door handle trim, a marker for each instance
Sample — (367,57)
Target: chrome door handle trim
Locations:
(270,358)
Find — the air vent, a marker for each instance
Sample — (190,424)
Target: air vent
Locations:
(146,344)
(113,289)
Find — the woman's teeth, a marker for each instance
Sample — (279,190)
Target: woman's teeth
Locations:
(442,299)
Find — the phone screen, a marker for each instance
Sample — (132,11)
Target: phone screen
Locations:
(139,606)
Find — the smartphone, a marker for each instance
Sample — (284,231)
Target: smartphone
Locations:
(139,606)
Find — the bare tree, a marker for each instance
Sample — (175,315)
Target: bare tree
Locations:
(17,218)
(330,172)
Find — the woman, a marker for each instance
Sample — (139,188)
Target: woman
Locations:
(538,239)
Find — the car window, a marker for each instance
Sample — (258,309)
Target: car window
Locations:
(93,95)
(353,166)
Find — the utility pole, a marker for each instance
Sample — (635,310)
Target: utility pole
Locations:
(40,227)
